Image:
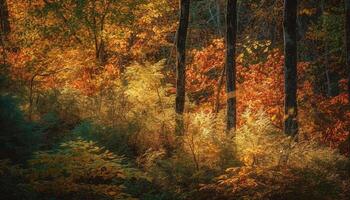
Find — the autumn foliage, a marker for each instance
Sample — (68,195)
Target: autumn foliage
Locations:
(87,103)
(261,86)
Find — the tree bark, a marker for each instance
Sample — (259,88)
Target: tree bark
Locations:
(181,64)
(218,15)
(347,22)
(290,67)
(4,18)
(346,143)
(331,76)
(218,90)
(325,49)
(231,30)
(5,30)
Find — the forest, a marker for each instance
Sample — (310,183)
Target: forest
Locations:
(175,99)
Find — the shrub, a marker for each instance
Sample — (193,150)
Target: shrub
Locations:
(12,183)
(276,166)
(115,139)
(138,105)
(18,137)
(79,170)
(151,105)
(206,149)
(207,141)
(256,182)
(176,173)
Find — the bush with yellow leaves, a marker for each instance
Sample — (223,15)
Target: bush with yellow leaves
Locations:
(151,105)
(206,140)
(275,166)
(205,151)
(78,170)
(139,102)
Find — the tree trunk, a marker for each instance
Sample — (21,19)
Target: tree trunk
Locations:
(4,18)
(181,64)
(218,15)
(290,67)
(325,49)
(4,29)
(331,76)
(347,22)
(218,90)
(231,30)
(31,88)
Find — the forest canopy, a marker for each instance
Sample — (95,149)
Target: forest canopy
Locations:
(174,100)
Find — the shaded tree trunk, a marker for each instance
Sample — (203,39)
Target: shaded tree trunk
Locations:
(231,30)
(4,17)
(218,15)
(218,90)
(331,76)
(347,22)
(346,144)
(290,67)
(181,64)
(5,29)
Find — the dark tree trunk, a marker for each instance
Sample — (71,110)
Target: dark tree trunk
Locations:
(4,17)
(231,29)
(290,67)
(347,22)
(101,55)
(218,90)
(181,64)
(345,147)
(4,31)
(331,76)
(218,17)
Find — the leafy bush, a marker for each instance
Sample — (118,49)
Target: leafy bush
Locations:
(278,182)
(12,183)
(205,151)
(207,141)
(138,105)
(176,173)
(115,139)
(152,108)
(278,167)
(18,137)
(79,170)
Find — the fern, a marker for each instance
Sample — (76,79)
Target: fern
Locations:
(79,169)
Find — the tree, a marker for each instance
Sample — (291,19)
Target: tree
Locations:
(4,28)
(92,16)
(347,22)
(181,64)
(4,18)
(290,67)
(347,27)
(231,29)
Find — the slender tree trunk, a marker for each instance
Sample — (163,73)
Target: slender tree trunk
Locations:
(218,15)
(326,61)
(218,90)
(31,97)
(231,30)
(4,18)
(331,76)
(347,22)
(181,64)
(222,76)
(290,67)
(325,49)
(5,29)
